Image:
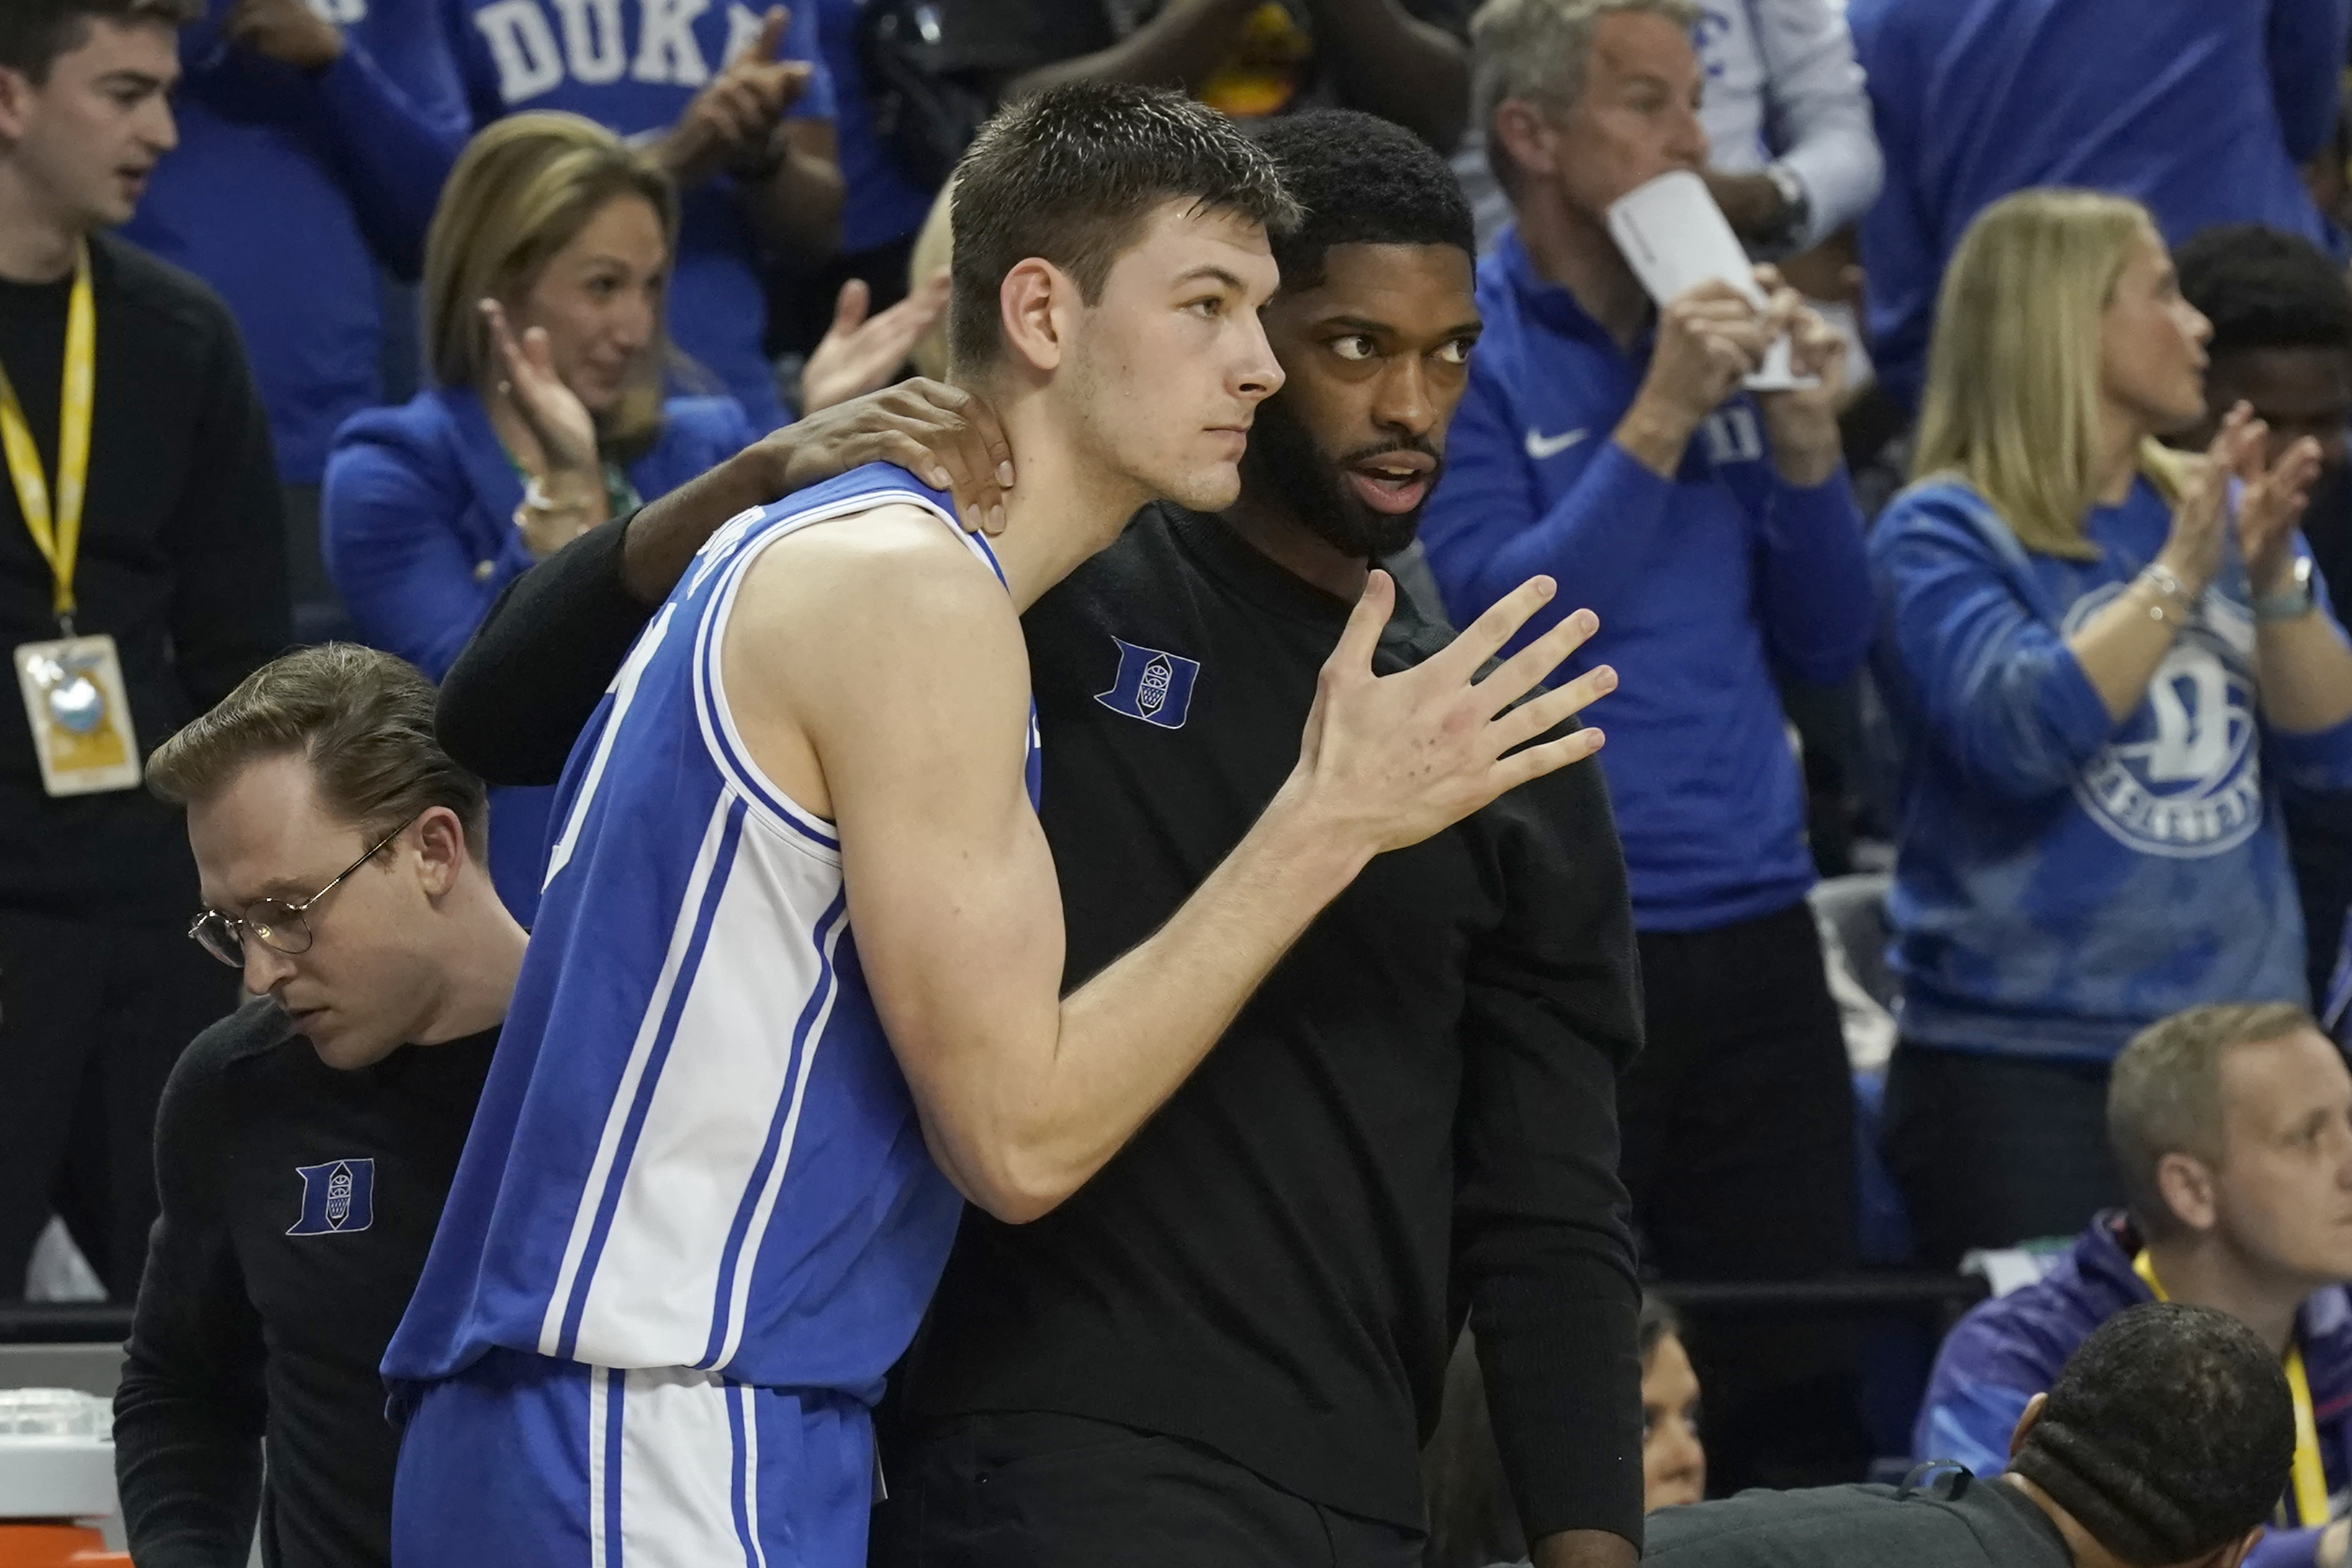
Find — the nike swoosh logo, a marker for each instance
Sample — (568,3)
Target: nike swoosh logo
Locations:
(1540,446)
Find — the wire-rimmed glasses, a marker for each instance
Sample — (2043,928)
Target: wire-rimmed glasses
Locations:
(284,926)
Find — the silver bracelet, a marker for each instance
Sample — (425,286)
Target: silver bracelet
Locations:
(2161,579)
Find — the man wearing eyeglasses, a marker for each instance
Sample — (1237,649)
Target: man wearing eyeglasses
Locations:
(306,1142)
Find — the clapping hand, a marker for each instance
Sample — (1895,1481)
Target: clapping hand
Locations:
(2271,498)
(861,353)
(732,121)
(561,434)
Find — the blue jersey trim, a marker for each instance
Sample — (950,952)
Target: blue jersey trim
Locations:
(609,1201)
(616,1388)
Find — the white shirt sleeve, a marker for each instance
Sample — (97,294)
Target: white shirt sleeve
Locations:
(1819,116)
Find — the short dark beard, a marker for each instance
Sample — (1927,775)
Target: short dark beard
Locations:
(1283,462)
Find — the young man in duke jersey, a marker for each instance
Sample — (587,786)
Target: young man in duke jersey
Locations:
(685,1244)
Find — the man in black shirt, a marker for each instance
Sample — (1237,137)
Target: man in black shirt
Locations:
(306,1142)
(2164,1444)
(1229,1345)
(130,606)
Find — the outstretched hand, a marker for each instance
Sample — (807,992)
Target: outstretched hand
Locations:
(861,353)
(1391,760)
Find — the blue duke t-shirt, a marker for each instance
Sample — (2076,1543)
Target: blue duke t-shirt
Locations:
(634,66)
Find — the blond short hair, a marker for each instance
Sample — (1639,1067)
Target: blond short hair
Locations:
(2012,403)
(521,192)
(364,720)
(1540,52)
(2164,1095)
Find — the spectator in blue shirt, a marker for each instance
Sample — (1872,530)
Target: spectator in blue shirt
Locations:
(2102,659)
(2233,1127)
(311,155)
(543,283)
(735,104)
(2201,112)
(1608,444)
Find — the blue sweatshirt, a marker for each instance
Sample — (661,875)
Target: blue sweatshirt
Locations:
(880,203)
(2063,880)
(2200,109)
(417,524)
(2008,1350)
(634,66)
(1702,582)
(290,191)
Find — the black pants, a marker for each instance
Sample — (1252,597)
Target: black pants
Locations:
(1991,1150)
(92,1017)
(1033,1489)
(1740,1157)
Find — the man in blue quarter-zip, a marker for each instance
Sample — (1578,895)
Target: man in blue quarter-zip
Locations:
(1713,531)
(311,155)
(733,101)
(2231,1128)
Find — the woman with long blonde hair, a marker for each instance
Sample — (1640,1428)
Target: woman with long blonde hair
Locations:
(2102,658)
(544,273)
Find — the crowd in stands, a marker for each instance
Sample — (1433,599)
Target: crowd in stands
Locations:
(2024,595)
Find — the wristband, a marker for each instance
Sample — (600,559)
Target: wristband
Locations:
(2291,602)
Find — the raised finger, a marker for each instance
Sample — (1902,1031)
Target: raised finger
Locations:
(1485,637)
(1518,674)
(1534,762)
(1365,622)
(502,343)
(1547,710)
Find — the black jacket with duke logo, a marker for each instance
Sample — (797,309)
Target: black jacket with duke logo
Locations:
(298,1203)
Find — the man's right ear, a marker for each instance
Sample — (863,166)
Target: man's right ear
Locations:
(17,91)
(1527,135)
(1036,309)
(2026,1423)
(2186,1184)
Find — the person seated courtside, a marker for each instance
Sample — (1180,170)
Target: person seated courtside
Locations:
(2161,1445)
(2232,1128)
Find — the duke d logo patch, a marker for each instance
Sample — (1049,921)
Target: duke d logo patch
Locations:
(336,1197)
(1152,685)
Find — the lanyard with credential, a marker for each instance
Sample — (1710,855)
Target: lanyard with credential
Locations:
(2310,1476)
(58,535)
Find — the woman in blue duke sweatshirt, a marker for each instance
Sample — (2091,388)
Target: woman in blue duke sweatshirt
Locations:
(543,278)
(2102,659)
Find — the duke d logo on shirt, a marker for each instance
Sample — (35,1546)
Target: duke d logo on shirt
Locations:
(1152,685)
(339,1196)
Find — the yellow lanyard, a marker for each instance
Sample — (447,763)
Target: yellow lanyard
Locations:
(59,538)
(2310,1476)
